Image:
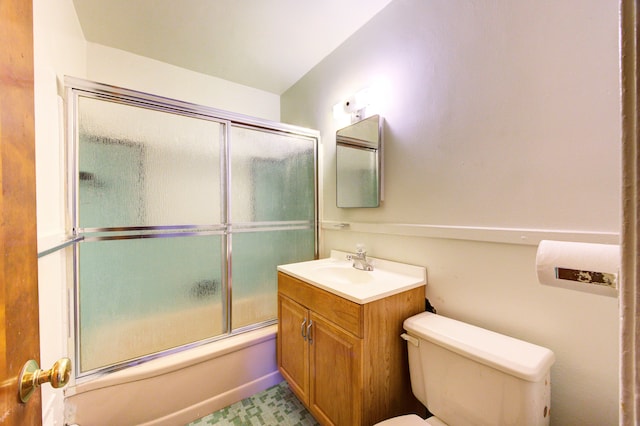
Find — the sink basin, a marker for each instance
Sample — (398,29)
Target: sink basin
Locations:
(344,274)
(337,275)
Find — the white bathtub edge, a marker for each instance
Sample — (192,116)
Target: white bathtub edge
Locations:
(176,361)
(183,391)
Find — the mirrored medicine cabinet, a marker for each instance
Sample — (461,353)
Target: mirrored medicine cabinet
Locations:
(359,164)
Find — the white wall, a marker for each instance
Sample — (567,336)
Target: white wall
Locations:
(502,127)
(124,69)
(60,49)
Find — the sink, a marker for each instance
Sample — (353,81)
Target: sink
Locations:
(337,275)
(344,274)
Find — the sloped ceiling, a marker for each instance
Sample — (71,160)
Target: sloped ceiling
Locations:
(265,44)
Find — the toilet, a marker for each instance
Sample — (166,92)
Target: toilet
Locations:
(466,375)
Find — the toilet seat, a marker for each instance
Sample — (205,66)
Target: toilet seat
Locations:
(412,420)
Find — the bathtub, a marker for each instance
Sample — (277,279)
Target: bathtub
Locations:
(178,388)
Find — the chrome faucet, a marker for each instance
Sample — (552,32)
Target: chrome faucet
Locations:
(360,259)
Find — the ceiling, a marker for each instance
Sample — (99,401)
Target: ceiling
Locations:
(265,44)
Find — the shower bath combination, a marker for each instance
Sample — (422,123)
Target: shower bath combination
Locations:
(182,213)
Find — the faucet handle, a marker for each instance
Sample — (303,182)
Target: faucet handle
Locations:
(360,248)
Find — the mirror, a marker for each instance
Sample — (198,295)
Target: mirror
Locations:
(359,164)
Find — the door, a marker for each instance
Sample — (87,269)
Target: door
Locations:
(335,367)
(19,339)
(293,350)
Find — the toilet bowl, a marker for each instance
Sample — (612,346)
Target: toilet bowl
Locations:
(466,375)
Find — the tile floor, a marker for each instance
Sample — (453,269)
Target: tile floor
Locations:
(274,406)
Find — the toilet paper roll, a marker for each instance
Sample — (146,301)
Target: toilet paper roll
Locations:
(586,267)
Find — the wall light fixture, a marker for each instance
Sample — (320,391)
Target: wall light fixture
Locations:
(354,106)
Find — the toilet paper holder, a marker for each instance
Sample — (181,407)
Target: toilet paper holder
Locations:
(589,267)
(587,277)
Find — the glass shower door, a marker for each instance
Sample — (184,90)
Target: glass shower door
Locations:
(183,213)
(272,216)
(150,269)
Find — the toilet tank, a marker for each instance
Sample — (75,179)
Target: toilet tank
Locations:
(466,375)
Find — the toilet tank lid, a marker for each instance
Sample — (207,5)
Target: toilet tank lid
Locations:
(516,357)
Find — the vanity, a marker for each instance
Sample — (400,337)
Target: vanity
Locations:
(339,344)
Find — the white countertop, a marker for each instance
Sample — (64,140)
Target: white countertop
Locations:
(337,275)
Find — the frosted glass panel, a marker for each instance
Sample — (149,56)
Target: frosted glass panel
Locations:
(141,167)
(147,295)
(272,176)
(255,258)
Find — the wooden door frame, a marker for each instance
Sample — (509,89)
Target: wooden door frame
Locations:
(629,411)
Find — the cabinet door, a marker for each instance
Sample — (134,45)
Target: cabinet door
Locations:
(335,366)
(293,350)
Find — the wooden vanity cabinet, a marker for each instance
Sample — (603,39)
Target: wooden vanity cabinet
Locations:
(346,361)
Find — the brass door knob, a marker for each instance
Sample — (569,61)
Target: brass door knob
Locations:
(32,376)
